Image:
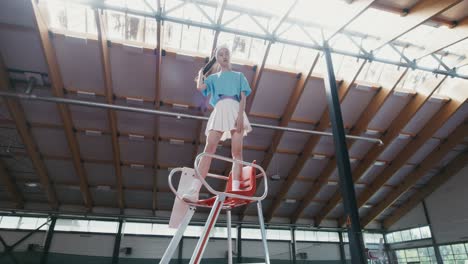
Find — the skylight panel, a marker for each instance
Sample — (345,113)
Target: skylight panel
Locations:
(329,15)
(246,22)
(71,17)
(291,57)
(459,49)
(197,11)
(260,16)
(137,5)
(151,31)
(136,30)
(321,65)
(243,48)
(418,81)
(192,39)
(374,22)
(299,33)
(115,25)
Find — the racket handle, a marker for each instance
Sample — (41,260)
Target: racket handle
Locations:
(208,66)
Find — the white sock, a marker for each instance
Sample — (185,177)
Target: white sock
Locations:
(235,185)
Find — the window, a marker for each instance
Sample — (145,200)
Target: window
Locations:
(103,226)
(425,232)
(406,235)
(91,226)
(72,225)
(278,234)
(163,229)
(409,235)
(455,253)
(415,233)
(251,233)
(323,236)
(10,222)
(390,238)
(372,238)
(138,228)
(32,223)
(424,255)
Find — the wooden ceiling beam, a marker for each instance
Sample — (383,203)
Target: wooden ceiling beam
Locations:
(426,133)
(421,12)
(8,181)
(457,34)
(299,87)
(64,111)
(356,9)
(453,168)
(256,79)
(111,115)
(310,144)
(408,112)
(157,123)
(358,129)
(17,114)
(420,171)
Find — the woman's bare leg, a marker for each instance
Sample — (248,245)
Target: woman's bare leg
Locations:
(204,166)
(237,139)
(210,147)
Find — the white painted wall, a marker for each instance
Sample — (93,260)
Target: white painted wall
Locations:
(216,248)
(12,237)
(413,218)
(319,251)
(447,208)
(277,249)
(83,244)
(144,246)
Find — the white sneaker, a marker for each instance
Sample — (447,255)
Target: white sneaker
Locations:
(191,196)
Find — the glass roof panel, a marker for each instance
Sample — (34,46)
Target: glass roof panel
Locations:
(243,48)
(254,16)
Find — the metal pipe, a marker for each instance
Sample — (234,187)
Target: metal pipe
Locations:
(164,113)
(267,37)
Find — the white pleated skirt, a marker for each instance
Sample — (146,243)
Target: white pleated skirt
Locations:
(223,118)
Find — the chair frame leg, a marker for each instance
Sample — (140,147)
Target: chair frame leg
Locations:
(177,237)
(263,231)
(229,236)
(210,222)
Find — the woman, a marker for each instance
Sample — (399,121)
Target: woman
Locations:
(228,90)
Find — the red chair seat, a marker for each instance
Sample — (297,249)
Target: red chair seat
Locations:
(248,178)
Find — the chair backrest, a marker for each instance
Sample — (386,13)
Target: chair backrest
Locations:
(248,177)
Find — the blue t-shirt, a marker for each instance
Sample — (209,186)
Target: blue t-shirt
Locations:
(228,83)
